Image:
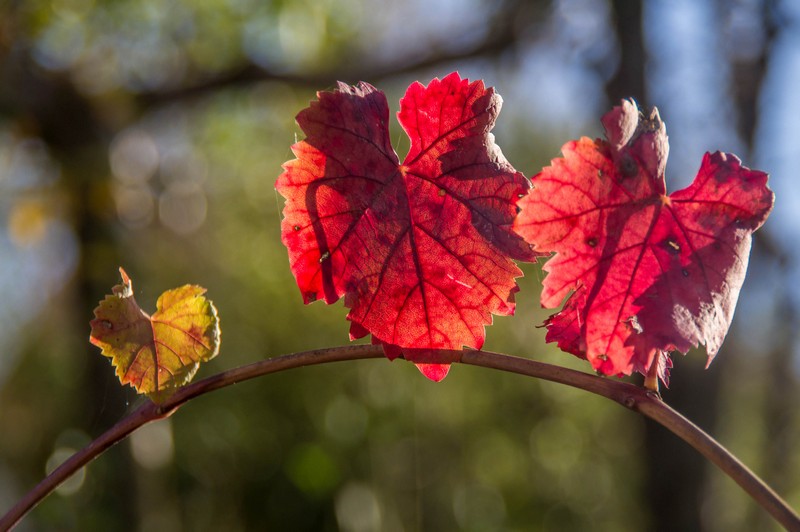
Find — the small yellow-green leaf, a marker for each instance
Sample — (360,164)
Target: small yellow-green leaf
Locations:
(156,354)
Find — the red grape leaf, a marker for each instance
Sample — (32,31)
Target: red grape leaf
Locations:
(421,250)
(650,273)
(156,354)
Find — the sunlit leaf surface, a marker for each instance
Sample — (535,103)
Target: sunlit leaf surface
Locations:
(156,354)
(421,251)
(648,272)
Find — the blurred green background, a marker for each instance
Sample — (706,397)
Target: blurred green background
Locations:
(149,134)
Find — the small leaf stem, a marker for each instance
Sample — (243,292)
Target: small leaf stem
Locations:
(638,399)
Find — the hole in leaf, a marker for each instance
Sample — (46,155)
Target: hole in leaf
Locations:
(633,324)
(627,166)
(672,246)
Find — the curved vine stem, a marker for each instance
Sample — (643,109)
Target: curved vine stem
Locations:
(638,399)
(649,404)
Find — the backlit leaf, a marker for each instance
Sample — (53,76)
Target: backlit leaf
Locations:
(160,353)
(421,251)
(649,272)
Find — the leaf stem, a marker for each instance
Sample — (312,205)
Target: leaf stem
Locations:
(638,399)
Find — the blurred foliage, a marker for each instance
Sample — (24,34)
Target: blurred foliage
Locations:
(149,135)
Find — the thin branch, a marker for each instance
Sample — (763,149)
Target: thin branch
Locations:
(150,411)
(633,397)
(247,74)
(501,37)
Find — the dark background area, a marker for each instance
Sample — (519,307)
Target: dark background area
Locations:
(149,134)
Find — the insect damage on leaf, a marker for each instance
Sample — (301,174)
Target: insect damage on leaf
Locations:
(156,354)
(421,251)
(648,272)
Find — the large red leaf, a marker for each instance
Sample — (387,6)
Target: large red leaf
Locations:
(420,250)
(650,273)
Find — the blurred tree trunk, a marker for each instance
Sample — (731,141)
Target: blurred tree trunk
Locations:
(49,107)
(675,474)
(629,80)
(747,73)
(780,388)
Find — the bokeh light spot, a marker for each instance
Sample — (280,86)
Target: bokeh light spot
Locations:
(312,469)
(27,223)
(133,156)
(152,446)
(357,508)
(135,205)
(183,207)
(73,483)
